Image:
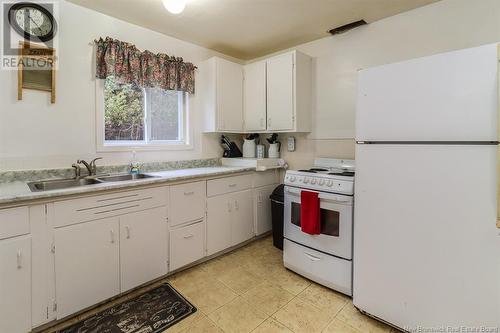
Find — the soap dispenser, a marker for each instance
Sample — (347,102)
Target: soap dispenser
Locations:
(134,166)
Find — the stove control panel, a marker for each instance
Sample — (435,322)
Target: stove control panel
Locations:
(318,182)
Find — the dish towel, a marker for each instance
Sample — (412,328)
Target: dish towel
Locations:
(309,213)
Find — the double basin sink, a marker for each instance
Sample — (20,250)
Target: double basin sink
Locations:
(58,184)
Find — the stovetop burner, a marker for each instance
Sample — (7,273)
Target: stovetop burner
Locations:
(310,171)
(345,173)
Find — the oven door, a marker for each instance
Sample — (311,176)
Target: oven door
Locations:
(336,223)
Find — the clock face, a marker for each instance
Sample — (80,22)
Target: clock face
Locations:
(32,21)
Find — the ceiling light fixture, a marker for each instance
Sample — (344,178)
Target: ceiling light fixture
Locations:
(175,6)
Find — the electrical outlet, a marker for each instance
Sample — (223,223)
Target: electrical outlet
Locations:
(291,143)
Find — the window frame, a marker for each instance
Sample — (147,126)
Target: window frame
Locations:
(119,146)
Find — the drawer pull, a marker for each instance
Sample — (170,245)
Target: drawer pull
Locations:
(116,209)
(313,258)
(113,204)
(189,193)
(188,236)
(127,229)
(19,259)
(232,185)
(121,197)
(112,233)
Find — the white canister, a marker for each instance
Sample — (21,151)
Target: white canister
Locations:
(274,150)
(261,150)
(249,148)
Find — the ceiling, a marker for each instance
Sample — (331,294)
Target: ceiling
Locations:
(248,29)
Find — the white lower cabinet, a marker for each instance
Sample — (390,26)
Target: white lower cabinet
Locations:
(219,210)
(15,285)
(87,264)
(143,247)
(242,218)
(187,245)
(262,209)
(229,220)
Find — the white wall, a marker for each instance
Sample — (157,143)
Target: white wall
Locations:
(443,26)
(37,134)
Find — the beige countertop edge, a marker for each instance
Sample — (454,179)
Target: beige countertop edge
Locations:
(25,197)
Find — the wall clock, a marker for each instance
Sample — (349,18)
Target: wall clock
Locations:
(32,21)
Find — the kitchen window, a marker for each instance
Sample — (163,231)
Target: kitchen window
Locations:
(132,117)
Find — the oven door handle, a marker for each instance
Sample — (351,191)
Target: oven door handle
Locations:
(321,196)
(311,257)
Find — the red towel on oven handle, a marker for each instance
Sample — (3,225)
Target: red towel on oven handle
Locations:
(309,213)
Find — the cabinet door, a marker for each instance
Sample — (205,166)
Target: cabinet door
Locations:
(229,95)
(143,247)
(219,209)
(15,285)
(87,264)
(242,217)
(262,209)
(280,113)
(254,96)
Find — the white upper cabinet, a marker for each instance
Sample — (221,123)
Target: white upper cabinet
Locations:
(289,90)
(254,96)
(280,115)
(222,90)
(271,95)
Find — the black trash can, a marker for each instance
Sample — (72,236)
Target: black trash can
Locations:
(277,210)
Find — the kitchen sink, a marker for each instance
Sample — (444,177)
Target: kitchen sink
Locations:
(57,184)
(123,177)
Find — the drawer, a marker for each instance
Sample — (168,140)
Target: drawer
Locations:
(228,184)
(102,206)
(265,178)
(188,202)
(187,245)
(14,222)
(330,271)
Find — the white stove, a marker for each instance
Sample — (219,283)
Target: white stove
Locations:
(327,257)
(327,175)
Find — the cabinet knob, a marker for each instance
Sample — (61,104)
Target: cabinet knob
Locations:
(236,204)
(112,234)
(127,229)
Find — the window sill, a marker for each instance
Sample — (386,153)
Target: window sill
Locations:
(143,147)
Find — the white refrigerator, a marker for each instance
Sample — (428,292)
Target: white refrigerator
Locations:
(426,246)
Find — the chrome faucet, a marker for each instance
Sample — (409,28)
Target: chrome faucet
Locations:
(78,170)
(91,167)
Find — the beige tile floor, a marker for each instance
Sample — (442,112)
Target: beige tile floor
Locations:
(249,290)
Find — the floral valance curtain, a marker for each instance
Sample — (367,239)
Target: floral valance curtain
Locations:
(127,64)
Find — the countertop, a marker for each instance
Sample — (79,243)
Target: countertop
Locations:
(18,191)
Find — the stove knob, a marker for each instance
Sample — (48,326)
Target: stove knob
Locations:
(321,182)
(329,184)
(292,178)
(313,181)
(306,180)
